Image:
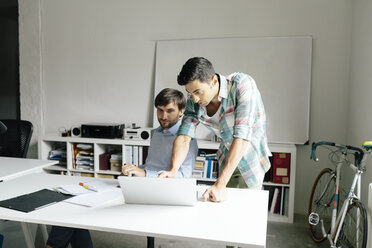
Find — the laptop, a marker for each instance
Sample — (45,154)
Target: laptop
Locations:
(159,191)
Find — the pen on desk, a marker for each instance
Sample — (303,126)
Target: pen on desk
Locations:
(88,187)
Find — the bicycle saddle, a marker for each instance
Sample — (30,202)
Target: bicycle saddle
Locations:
(367,144)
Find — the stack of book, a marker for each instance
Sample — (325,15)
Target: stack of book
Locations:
(206,166)
(116,162)
(83,157)
(58,154)
(198,170)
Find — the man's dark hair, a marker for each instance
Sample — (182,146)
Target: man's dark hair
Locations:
(196,68)
(168,95)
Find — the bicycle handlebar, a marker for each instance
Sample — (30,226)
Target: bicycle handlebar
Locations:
(358,155)
(314,145)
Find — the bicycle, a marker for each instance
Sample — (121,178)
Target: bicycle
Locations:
(348,228)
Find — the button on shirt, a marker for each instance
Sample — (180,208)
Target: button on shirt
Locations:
(242,116)
(160,153)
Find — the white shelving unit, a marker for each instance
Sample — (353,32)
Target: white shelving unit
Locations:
(47,142)
(291,149)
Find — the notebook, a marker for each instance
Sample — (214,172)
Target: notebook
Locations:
(159,191)
(33,201)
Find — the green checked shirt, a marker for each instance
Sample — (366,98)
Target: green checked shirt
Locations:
(242,115)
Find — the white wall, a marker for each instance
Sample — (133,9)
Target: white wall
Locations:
(360,88)
(30,68)
(97,58)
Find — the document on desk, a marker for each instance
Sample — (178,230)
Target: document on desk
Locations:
(33,201)
(91,186)
(97,198)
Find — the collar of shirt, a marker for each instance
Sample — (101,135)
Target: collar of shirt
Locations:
(173,130)
(223,87)
(223,93)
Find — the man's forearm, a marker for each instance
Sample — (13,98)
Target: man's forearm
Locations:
(179,152)
(235,154)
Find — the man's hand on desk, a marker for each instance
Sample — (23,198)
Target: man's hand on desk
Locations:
(132,170)
(168,174)
(215,194)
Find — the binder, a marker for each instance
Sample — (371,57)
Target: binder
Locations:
(33,201)
(281,165)
(104,161)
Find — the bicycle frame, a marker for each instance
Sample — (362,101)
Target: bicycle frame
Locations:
(337,221)
(336,224)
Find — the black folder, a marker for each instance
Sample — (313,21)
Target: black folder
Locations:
(33,201)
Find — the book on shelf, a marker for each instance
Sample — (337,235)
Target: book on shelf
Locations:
(198,169)
(104,161)
(274,201)
(285,201)
(116,162)
(199,163)
(197,174)
(105,176)
(140,155)
(135,155)
(281,167)
(128,155)
(210,167)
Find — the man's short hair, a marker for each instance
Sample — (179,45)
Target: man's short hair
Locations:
(196,68)
(169,95)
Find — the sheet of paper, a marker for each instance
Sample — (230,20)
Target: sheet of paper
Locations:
(91,186)
(101,185)
(97,198)
(72,189)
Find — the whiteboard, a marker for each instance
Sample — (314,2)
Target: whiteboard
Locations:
(281,67)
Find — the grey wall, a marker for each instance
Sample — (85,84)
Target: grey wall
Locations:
(104,52)
(360,87)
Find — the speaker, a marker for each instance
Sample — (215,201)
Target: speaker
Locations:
(76,131)
(137,133)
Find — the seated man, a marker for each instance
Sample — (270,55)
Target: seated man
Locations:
(170,105)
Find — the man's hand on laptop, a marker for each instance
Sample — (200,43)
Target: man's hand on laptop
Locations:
(132,170)
(215,194)
(168,174)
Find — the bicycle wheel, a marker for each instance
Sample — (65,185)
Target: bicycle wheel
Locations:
(355,227)
(321,199)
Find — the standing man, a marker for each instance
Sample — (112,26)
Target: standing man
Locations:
(232,108)
(170,106)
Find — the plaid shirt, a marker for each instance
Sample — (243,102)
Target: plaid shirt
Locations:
(242,115)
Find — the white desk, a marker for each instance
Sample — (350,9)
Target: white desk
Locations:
(15,167)
(244,225)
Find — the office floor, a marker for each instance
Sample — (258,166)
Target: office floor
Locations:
(279,235)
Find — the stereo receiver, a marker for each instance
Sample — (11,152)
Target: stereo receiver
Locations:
(102,130)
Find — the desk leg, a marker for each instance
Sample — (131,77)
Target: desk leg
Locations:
(44,232)
(28,236)
(150,242)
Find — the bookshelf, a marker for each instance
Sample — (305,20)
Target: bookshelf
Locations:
(48,143)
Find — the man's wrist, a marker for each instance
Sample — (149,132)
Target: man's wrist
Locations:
(221,182)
